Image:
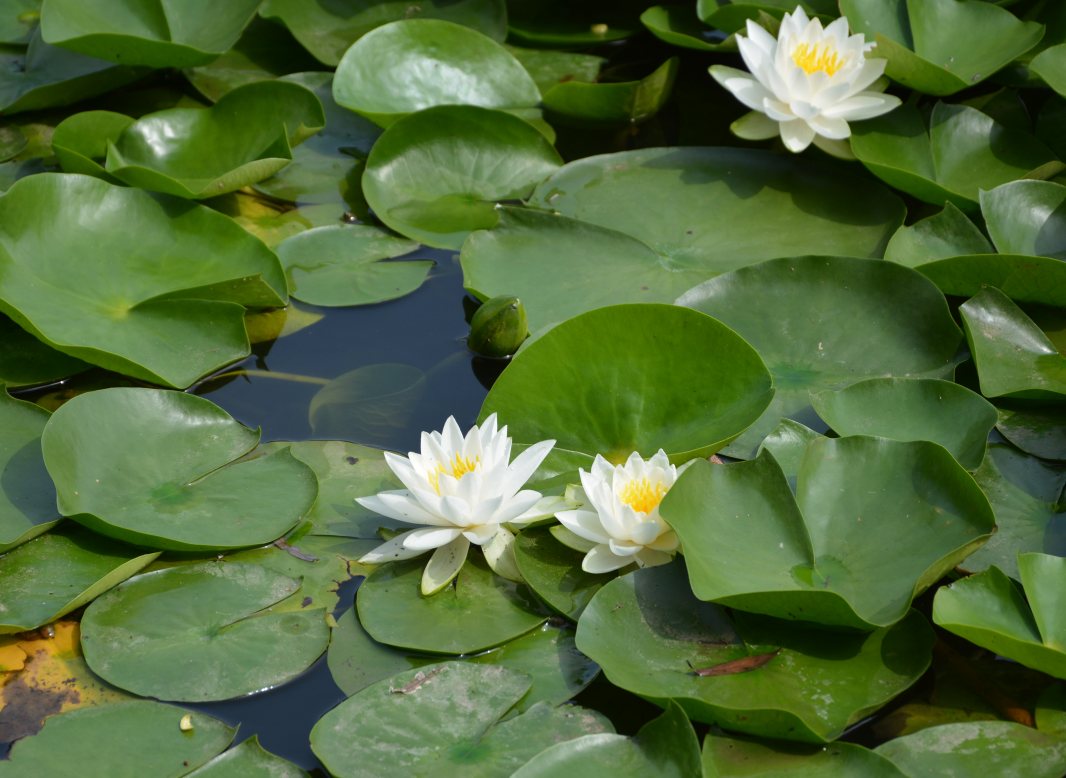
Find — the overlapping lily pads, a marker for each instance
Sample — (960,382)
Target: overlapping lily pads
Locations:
(681,26)
(827,322)
(201,632)
(156,469)
(153,33)
(435,176)
(549,68)
(553,24)
(52,575)
(633,378)
(873,524)
(912,409)
(729,756)
(646,628)
(989,610)
(554,572)
(25,360)
(328,30)
(248,760)
(920,39)
(19,21)
(1037,429)
(444,720)
(158,290)
(27,495)
(408,66)
(80,142)
(611,104)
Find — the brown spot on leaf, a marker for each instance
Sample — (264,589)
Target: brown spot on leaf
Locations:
(743,665)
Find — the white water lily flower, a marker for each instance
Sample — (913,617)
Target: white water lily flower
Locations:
(461,489)
(623,525)
(806,85)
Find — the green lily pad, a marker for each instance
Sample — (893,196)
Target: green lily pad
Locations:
(720,209)
(728,756)
(12,141)
(1040,431)
(873,524)
(273,223)
(248,760)
(959,153)
(1024,492)
(1014,357)
(977,749)
(788,443)
(1050,65)
(615,399)
(448,724)
(374,405)
(158,287)
(198,153)
(947,234)
(828,322)
(549,68)
(554,572)
(342,265)
(328,30)
(195,633)
(27,495)
(435,176)
(665,746)
(156,469)
(24,360)
(921,40)
(46,76)
(548,654)
(645,628)
(1026,217)
(990,611)
(19,21)
(479,611)
(911,409)
(152,33)
(611,104)
(132,739)
(80,142)
(556,24)
(682,27)
(56,573)
(408,66)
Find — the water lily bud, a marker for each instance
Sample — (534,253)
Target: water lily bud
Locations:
(498,327)
(599,29)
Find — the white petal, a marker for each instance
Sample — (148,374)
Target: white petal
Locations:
(452,438)
(469,489)
(803,110)
(585,524)
(755,125)
(649,557)
(392,551)
(602,469)
(838,29)
(485,510)
(755,57)
(836,148)
(827,126)
(444,565)
(796,135)
(544,508)
(402,467)
(516,506)
(524,465)
(865,105)
(778,111)
(602,560)
(481,533)
(831,95)
(424,539)
(457,511)
(761,38)
(799,85)
(743,86)
(499,553)
(624,547)
(872,69)
(400,505)
(646,532)
(666,542)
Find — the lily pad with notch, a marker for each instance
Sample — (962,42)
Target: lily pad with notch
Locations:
(157,469)
(682,26)
(788,443)
(1039,430)
(732,756)
(201,632)
(27,495)
(80,142)
(649,633)
(607,105)
(872,525)
(549,68)
(248,760)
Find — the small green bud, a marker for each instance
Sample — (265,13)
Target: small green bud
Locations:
(499,326)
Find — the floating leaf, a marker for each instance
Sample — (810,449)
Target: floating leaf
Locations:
(729,756)
(553,24)
(644,628)
(946,234)
(677,380)
(554,572)
(125,740)
(153,294)
(53,574)
(911,409)
(248,760)
(447,725)
(1050,65)
(680,26)
(373,405)
(611,104)
(19,21)
(921,40)
(827,322)
(788,443)
(1027,218)
(664,746)
(479,611)
(273,222)
(153,33)
(341,265)
(27,495)
(1040,431)
(436,175)
(549,68)
(408,66)
(157,469)
(195,633)
(873,524)
(80,142)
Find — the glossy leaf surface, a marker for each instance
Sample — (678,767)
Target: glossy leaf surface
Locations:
(27,495)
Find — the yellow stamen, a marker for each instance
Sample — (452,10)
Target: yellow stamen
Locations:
(456,468)
(819,57)
(641,496)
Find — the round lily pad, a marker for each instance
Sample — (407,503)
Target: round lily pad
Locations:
(1050,65)
(80,142)
(656,376)
(198,153)
(158,289)
(1026,217)
(649,634)
(153,33)
(133,739)
(25,360)
(27,495)
(436,176)
(949,233)
(681,26)
(479,611)
(444,720)
(719,209)
(156,468)
(873,524)
(554,572)
(549,68)
(248,760)
(912,409)
(607,105)
(342,265)
(411,65)
(52,575)
(788,443)
(328,30)
(827,322)
(1040,431)
(728,756)
(201,632)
